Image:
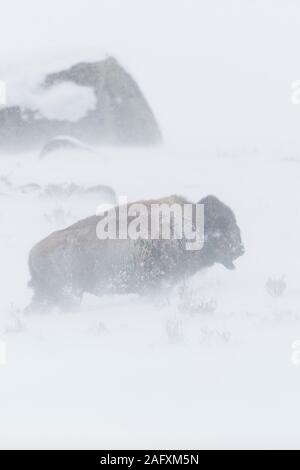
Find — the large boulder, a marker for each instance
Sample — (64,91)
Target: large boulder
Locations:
(97,102)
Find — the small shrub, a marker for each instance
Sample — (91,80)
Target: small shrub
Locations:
(191,302)
(101,328)
(174,330)
(16,322)
(209,336)
(276,287)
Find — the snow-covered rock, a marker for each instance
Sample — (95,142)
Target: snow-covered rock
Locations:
(62,142)
(95,101)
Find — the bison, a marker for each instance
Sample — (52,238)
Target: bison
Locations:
(75,260)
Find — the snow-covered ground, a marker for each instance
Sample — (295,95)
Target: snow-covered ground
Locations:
(210,366)
(217,363)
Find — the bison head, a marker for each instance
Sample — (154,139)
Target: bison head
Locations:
(223,243)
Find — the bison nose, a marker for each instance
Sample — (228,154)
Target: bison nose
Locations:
(239,251)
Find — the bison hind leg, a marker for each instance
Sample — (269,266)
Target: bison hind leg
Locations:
(46,300)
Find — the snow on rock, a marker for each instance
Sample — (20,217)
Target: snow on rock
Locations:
(91,99)
(64,142)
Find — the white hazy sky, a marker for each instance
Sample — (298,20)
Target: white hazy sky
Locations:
(215,71)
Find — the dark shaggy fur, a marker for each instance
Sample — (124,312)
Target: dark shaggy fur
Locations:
(72,261)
